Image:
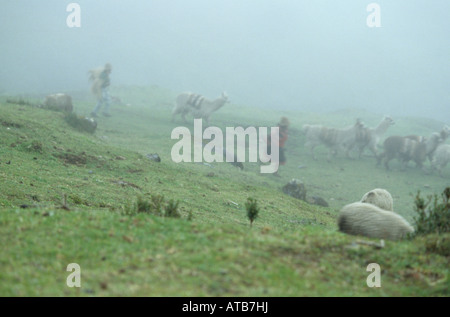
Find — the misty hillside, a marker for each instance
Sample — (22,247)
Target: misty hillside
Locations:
(92,98)
(67,197)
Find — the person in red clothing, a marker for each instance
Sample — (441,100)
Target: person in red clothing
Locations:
(283,126)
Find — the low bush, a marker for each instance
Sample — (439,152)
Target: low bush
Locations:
(156,206)
(433,214)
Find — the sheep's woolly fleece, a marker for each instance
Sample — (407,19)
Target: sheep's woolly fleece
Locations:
(371,221)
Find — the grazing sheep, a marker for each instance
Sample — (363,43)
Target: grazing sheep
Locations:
(334,139)
(380,198)
(431,143)
(404,149)
(198,105)
(370,137)
(59,102)
(373,222)
(441,158)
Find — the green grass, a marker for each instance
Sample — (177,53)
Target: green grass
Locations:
(292,248)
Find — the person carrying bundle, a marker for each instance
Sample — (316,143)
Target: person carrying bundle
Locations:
(100,86)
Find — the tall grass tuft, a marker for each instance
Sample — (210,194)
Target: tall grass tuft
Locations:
(155,206)
(172,209)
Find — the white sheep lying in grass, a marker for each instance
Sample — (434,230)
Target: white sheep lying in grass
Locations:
(371,221)
(197,105)
(334,139)
(441,157)
(380,198)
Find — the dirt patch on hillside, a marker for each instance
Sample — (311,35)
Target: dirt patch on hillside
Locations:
(75,159)
(9,124)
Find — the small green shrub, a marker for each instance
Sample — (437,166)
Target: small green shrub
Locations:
(21,102)
(76,199)
(172,209)
(155,206)
(438,243)
(129,209)
(433,215)
(190,215)
(142,205)
(252,209)
(33,146)
(36,146)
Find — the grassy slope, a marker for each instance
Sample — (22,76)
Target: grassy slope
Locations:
(293,248)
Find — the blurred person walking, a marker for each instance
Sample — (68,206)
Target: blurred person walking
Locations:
(100,88)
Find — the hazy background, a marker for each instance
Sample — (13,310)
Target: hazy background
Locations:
(291,54)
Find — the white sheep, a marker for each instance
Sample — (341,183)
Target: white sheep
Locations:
(197,105)
(404,149)
(334,139)
(441,157)
(431,142)
(370,137)
(59,102)
(371,221)
(380,198)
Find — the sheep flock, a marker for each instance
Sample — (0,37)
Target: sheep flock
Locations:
(415,148)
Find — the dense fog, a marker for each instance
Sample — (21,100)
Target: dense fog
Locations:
(308,55)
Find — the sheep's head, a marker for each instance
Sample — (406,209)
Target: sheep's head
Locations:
(388,120)
(436,138)
(433,141)
(380,198)
(359,125)
(224,96)
(445,132)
